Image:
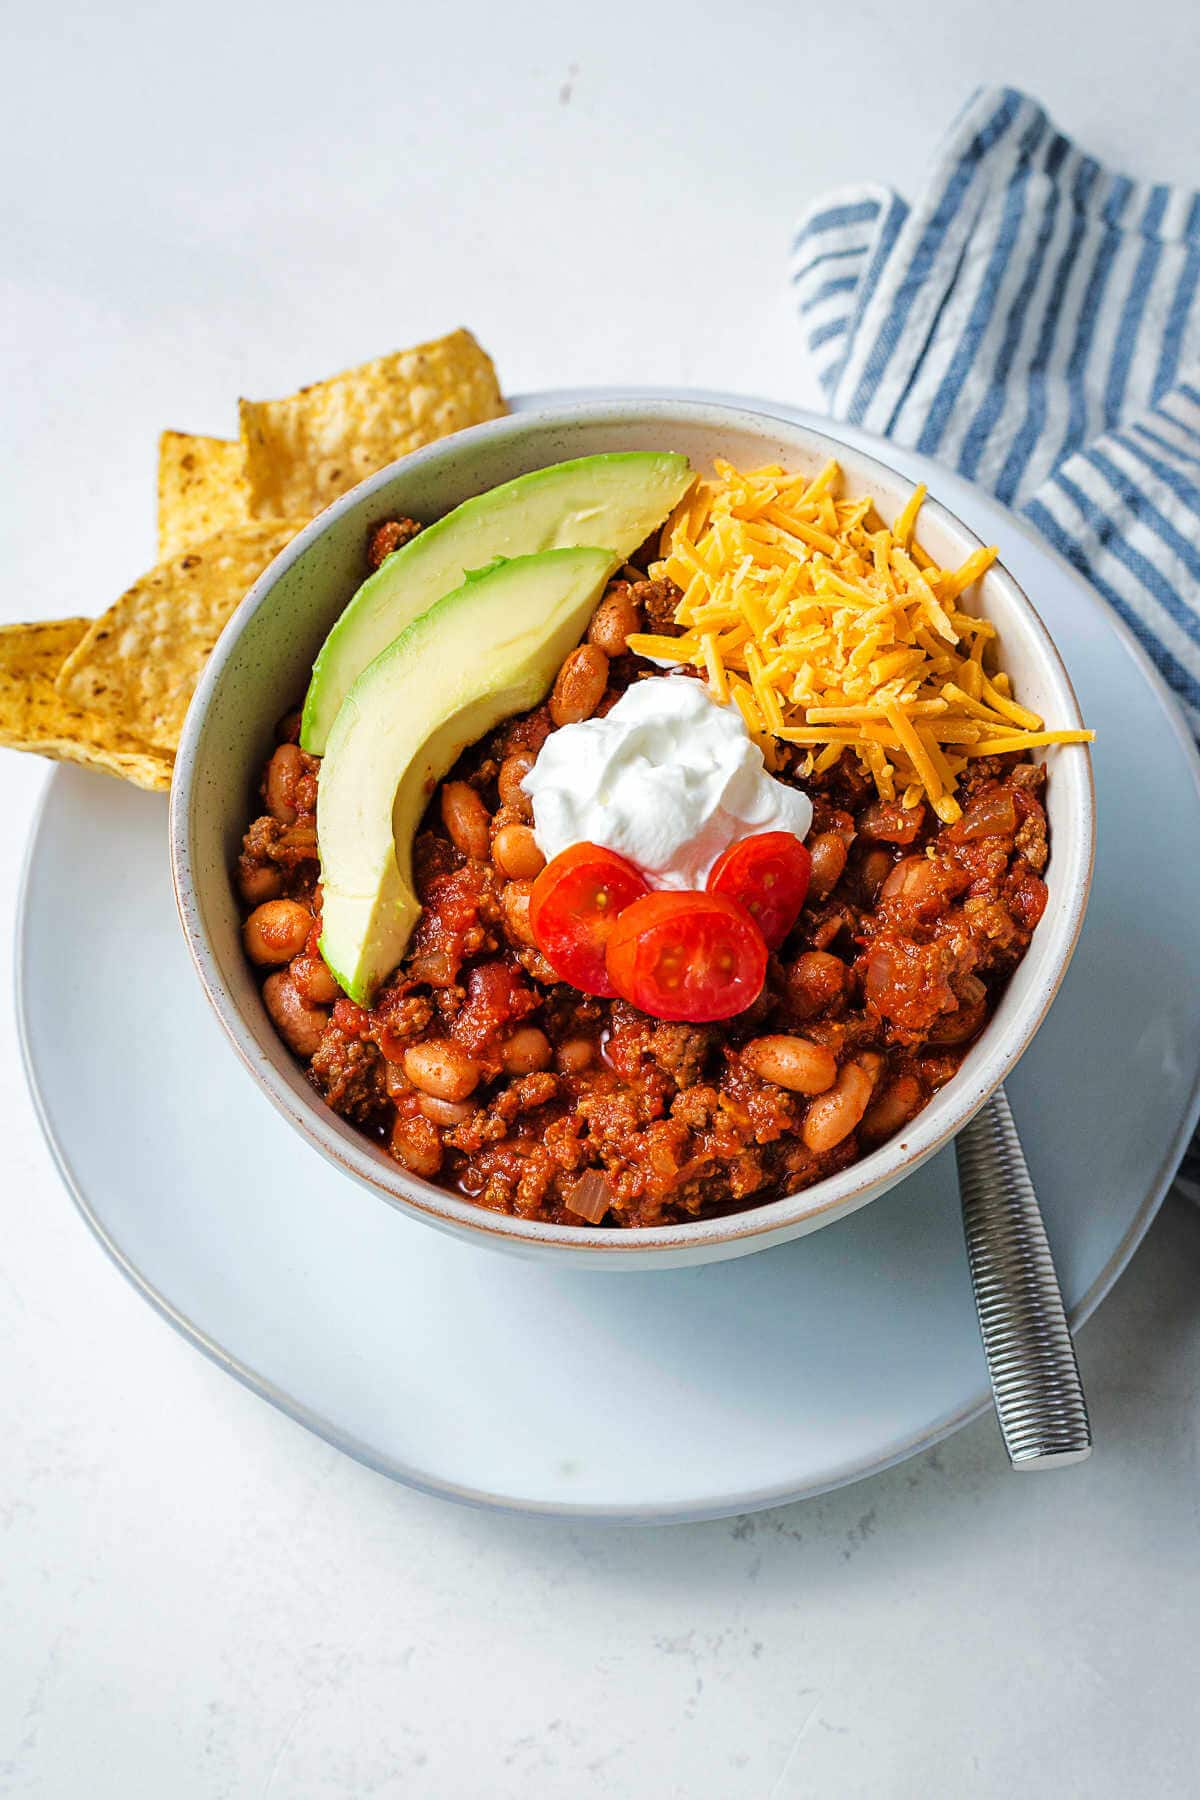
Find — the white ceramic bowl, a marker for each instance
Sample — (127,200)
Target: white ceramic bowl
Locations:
(260,669)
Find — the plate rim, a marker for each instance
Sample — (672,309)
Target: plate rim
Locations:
(717,1507)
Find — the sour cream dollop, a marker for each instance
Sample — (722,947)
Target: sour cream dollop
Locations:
(669,779)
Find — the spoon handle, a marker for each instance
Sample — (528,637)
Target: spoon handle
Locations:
(1031,1360)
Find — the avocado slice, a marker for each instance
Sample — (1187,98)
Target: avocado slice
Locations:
(614,499)
(484,652)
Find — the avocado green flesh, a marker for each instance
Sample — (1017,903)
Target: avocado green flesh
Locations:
(484,652)
(614,500)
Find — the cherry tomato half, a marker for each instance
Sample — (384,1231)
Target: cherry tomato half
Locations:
(768,875)
(687,956)
(573,907)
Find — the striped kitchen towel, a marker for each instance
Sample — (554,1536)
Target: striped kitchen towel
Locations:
(1033,321)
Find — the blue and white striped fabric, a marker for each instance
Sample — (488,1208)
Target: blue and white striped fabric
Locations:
(1033,320)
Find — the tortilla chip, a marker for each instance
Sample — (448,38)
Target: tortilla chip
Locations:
(304,451)
(141,660)
(201,490)
(34,716)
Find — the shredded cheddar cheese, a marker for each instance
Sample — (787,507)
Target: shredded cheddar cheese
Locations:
(828,630)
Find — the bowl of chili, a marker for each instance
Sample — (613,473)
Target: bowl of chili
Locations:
(589,1129)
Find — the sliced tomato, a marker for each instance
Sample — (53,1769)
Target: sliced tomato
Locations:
(573,906)
(768,875)
(687,956)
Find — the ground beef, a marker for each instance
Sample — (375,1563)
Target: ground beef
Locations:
(893,968)
(348,1073)
(658,600)
(389,536)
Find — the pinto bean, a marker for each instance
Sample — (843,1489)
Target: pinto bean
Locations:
(441,1068)
(416,1144)
(314,982)
(259,881)
(580,686)
(828,853)
(466,819)
(526,1052)
(514,898)
(283,774)
(513,771)
(574,1055)
(792,1062)
(276,931)
(1027,897)
(445,1112)
(956,1027)
(515,853)
(614,621)
(298,1024)
(873,871)
(894,1107)
(834,1115)
(814,981)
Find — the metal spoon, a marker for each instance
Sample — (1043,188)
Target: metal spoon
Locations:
(1031,1360)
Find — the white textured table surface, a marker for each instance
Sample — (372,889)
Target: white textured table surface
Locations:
(198,1599)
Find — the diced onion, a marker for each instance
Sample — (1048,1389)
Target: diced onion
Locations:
(590,1198)
(990,815)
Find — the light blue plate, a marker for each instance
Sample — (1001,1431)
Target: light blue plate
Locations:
(650,1396)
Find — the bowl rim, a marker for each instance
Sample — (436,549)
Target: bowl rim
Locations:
(835,1196)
